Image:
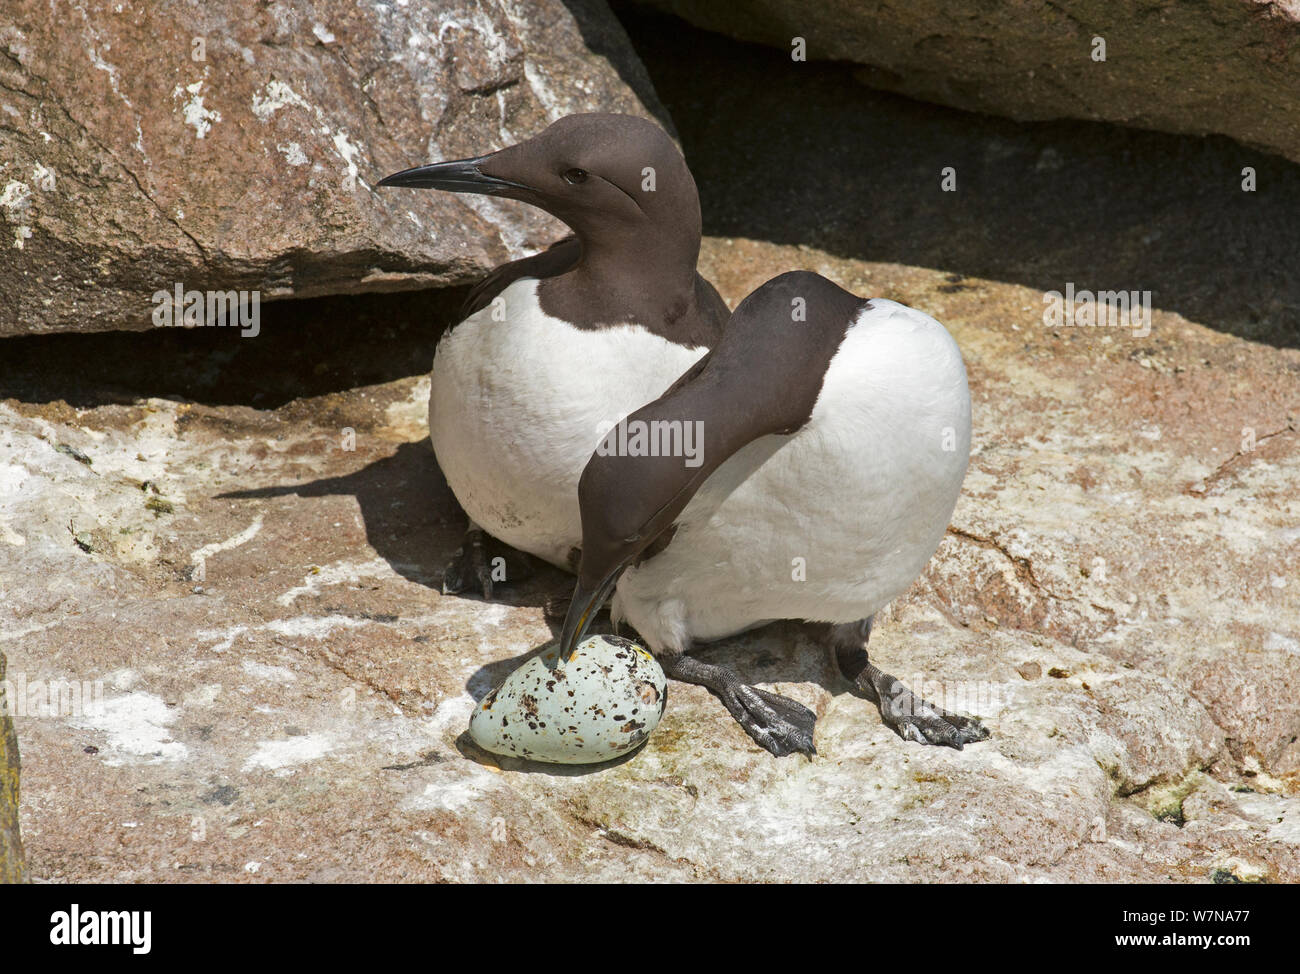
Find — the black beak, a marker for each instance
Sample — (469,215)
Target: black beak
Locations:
(586,603)
(458,176)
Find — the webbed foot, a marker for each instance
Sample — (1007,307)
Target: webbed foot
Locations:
(915,719)
(777,724)
(911,717)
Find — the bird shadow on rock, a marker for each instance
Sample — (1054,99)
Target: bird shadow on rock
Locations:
(778,652)
(412,521)
(806,154)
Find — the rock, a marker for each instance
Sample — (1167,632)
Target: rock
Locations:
(218,147)
(1030,670)
(11,846)
(321,678)
(1222,67)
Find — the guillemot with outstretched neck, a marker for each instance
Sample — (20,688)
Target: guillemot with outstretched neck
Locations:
(836,433)
(556,347)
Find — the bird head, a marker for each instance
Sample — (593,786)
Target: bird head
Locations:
(604,175)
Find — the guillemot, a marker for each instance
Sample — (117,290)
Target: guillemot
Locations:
(836,432)
(618,303)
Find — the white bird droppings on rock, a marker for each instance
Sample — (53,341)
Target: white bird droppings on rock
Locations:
(277,755)
(135,725)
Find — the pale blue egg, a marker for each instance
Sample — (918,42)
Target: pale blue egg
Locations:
(601,704)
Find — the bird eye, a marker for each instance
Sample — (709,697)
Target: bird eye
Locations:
(575,176)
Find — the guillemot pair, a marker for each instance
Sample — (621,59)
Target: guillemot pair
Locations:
(835,430)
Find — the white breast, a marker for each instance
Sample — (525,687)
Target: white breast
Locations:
(832,522)
(515,411)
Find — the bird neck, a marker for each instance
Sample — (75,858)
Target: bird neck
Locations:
(646,271)
(638,275)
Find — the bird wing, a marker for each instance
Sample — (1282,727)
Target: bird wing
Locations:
(554,260)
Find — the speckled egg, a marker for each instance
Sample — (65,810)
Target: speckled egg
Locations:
(601,704)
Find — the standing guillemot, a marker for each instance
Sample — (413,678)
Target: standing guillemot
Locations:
(836,433)
(619,304)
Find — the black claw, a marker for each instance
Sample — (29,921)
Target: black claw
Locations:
(934,729)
